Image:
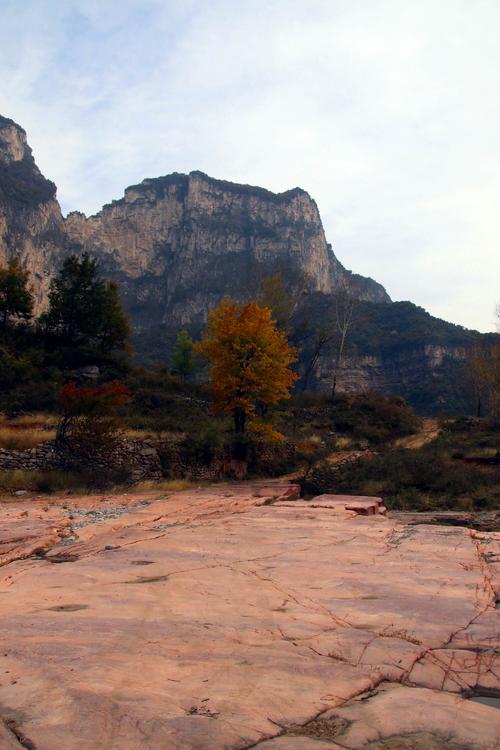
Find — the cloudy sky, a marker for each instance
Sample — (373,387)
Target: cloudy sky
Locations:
(386,111)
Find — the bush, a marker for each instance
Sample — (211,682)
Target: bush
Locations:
(422,479)
(41,481)
(374,417)
(204,446)
(90,423)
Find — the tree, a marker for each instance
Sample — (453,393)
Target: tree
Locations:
(322,336)
(250,360)
(182,360)
(326,330)
(274,296)
(83,308)
(344,306)
(89,423)
(482,372)
(16,299)
(115,329)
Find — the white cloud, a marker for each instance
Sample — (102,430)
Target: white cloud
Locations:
(386,111)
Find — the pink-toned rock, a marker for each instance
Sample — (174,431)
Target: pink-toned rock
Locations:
(366,506)
(210,619)
(458,671)
(26,529)
(422,720)
(8,740)
(289,742)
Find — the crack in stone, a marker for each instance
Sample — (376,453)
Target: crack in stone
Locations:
(317,608)
(23,741)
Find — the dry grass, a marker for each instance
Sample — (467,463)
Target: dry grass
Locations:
(166,485)
(40,481)
(343,443)
(171,437)
(14,439)
(23,433)
(40,419)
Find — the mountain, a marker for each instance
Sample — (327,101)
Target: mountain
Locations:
(31,223)
(177,244)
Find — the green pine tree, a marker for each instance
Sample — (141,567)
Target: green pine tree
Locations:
(84,309)
(183,360)
(16,299)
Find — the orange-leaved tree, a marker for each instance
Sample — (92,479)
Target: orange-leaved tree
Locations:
(250,360)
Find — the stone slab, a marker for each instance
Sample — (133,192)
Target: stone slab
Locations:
(208,619)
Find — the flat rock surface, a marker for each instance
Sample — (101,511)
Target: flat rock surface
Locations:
(228,618)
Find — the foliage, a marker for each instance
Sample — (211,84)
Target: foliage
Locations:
(264,432)
(182,360)
(89,422)
(363,418)
(482,373)
(84,309)
(274,296)
(16,299)
(35,480)
(374,417)
(458,470)
(204,445)
(249,358)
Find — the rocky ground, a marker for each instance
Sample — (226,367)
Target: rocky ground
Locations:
(237,617)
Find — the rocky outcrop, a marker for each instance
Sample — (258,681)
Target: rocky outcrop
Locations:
(179,243)
(31,223)
(176,244)
(226,617)
(387,373)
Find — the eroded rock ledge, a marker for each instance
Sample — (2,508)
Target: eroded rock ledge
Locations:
(234,617)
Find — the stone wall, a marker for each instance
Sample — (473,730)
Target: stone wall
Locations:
(43,457)
(261,460)
(136,459)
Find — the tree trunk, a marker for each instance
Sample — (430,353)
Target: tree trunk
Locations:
(239,421)
(309,371)
(334,384)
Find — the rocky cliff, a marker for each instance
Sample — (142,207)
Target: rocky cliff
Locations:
(179,243)
(31,224)
(176,244)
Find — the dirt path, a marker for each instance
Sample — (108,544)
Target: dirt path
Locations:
(430,430)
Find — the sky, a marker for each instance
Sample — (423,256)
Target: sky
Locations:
(386,111)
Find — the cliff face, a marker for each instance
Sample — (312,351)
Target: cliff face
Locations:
(31,224)
(429,377)
(176,244)
(179,243)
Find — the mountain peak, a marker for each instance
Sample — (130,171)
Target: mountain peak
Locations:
(13,144)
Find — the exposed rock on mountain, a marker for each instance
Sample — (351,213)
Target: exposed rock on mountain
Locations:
(179,243)
(176,243)
(31,224)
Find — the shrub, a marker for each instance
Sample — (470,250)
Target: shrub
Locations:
(90,423)
(421,479)
(41,481)
(204,446)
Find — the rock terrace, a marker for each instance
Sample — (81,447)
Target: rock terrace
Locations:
(235,617)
